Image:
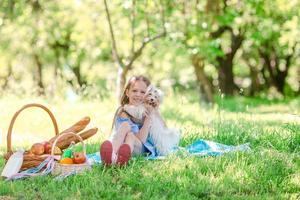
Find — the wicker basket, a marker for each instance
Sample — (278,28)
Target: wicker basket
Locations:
(30,160)
(69,168)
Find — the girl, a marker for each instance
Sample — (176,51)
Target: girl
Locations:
(129,137)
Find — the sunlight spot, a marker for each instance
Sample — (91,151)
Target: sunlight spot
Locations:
(204,25)
(194,51)
(295,179)
(127,4)
(194,22)
(71,96)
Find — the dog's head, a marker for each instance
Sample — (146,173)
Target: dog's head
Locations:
(153,96)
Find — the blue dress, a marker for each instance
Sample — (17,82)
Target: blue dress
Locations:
(135,127)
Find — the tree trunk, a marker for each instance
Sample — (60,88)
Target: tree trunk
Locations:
(11,8)
(121,79)
(271,63)
(77,68)
(53,85)
(213,6)
(205,86)
(255,85)
(225,63)
(298,78)
(77,73)
(281,75)
(6,77)
(39,79)
(57,63)
(280,81)
(225,72)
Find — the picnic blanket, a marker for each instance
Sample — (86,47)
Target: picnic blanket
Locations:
(197,148)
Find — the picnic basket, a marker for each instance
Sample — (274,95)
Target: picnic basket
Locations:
(61,169)
(29,160)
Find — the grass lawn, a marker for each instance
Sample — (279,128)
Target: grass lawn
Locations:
(270,171)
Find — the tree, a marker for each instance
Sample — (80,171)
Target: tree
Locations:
(125,63)
(274,38)
(197,59)
(204,24)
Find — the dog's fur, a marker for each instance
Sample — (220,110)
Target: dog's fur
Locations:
(164,139)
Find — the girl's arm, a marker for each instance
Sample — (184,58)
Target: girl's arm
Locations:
(144,131)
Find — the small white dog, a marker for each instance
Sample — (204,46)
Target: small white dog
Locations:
(164,139)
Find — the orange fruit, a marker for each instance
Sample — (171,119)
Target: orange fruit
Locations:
(66,161)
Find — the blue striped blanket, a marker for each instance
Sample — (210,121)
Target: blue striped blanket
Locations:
(198,148)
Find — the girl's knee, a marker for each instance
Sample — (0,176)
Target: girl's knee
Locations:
(130,135)
(124,127)
(122,131)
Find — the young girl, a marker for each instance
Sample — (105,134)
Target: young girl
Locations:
(129,137)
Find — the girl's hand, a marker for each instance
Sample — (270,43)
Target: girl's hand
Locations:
(147,121)
(149,111)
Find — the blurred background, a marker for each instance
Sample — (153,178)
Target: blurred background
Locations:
(206,48)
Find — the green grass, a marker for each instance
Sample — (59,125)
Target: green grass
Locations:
(270,171)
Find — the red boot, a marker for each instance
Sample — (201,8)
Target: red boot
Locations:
(124,154)
(106,150)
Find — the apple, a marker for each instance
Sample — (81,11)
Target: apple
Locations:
(47,147)
(37,149)
(78,157)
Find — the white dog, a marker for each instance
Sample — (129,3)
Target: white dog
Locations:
(164,139)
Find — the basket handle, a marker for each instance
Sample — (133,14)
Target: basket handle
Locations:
(64,134)
(9,149)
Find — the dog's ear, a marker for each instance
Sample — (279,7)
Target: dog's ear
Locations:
(161,95)
(149,88)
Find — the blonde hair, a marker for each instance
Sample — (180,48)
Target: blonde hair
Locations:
(125,99)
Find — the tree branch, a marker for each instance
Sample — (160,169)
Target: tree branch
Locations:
(132,20)
(185,32)
(145,42)
(163,17)
(236,42)
(267,63)
(114,46)
(220,31)
(289,57)
(225,5)
(147,20)
(139,51)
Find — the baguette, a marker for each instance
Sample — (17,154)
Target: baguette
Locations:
(75,128)
(65,141)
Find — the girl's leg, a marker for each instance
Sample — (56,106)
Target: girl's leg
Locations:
(108,149)
(126,149)
(119,137)
(134,143)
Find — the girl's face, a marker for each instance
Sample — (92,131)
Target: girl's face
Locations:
(136,92)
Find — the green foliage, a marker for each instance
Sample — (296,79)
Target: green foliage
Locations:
(72,42)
